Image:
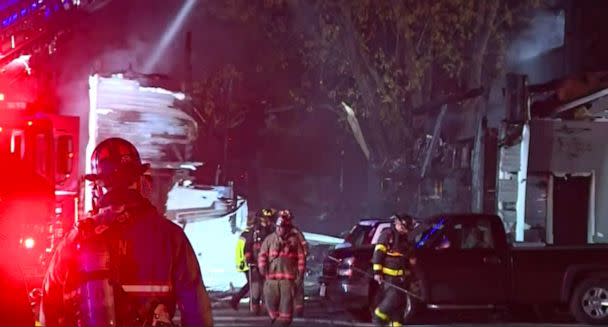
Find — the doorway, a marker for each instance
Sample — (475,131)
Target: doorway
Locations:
(571,209)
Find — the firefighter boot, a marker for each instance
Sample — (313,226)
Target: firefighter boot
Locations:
(379,318)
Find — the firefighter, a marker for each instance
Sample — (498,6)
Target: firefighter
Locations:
(281,261)
(298,300)
(392,261)
(248,248)
(261,229)
(241,264)
(125,264)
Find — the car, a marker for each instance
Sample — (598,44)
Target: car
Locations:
(339,283)
(464,262)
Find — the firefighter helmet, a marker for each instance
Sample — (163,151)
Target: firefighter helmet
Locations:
(116,163)
(286,213)
(284,219)
(405,219)
(266,213)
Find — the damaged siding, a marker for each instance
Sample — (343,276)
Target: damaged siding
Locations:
(148,117)
(509,164)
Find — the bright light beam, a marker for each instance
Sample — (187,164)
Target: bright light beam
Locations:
(169,35)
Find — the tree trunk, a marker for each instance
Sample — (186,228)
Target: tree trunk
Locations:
(478,105)
(368,81)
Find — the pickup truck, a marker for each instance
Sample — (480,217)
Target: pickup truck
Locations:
(344,286)
(465,262)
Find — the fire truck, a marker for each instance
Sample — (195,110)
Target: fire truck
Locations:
(44,144)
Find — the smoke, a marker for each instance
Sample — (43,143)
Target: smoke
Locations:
(122,35)
(545,32)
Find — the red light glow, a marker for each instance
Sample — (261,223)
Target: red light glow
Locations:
(29,243)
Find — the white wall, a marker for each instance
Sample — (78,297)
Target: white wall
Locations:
(574,147)
(215,246)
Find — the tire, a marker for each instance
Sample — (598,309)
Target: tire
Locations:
(586,302)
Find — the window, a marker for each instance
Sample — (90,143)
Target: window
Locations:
(379,231)
(359,235)
(42,155)
(428,233)
(476,234)
(17,143)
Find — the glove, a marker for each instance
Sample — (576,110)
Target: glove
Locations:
(378,278)
(242,265)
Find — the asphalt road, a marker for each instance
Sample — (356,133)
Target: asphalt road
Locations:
(321,313)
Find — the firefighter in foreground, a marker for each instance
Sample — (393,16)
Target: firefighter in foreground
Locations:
(248,249)
(281,262)
(124,264)
(298,300)
(392,263)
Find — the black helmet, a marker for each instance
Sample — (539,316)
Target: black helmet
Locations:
(405,219)
(116,163)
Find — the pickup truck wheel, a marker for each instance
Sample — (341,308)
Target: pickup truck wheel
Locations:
(589,302)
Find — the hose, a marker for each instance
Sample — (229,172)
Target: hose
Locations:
(368,275)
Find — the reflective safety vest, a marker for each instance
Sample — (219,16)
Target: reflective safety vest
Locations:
(240,259)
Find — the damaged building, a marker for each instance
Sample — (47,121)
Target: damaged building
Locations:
(552,174)
(552,168)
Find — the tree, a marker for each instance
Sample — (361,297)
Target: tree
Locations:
(218,110)
(213,97)
(385,58)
